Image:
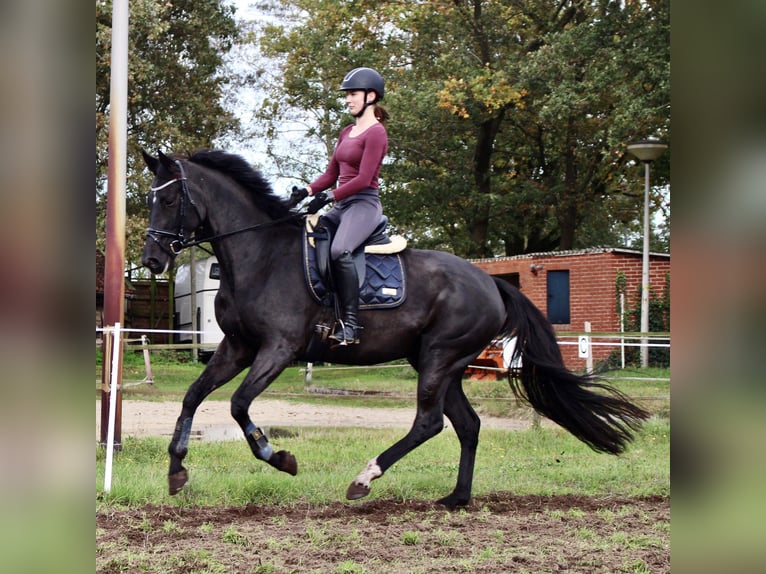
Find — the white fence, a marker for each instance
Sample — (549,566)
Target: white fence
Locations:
(585,341)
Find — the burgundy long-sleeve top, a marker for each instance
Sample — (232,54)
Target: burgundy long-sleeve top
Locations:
(355,163)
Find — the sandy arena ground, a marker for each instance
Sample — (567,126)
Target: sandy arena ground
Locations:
(213,420)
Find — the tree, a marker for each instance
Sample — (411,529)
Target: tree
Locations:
(598,80)
(509,118)
(176,91)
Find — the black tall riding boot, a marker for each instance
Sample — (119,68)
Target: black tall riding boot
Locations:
(347,287)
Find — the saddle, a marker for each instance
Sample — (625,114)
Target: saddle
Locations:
(382,283)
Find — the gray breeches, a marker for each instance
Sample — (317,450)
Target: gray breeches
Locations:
(354,218)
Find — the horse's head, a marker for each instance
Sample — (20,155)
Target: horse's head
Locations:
(173,215)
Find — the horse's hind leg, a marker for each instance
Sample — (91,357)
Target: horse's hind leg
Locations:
(467,425)
(429,421)
(223,366)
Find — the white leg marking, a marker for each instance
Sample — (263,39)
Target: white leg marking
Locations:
(370,473)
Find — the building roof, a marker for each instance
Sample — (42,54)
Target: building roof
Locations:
(570,253)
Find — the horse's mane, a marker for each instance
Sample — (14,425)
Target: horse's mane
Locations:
(237,168)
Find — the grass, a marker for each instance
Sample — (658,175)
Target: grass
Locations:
(538,462)
(541,461)
(391,385)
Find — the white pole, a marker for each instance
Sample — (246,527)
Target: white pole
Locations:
(147,360)
(307,378)
(196,338)
(645,275)
(646,151)
(112,409)
(622,329)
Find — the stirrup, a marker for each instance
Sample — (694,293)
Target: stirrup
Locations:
(345,334)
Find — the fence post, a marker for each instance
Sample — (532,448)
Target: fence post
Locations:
(584,348)
(111,379)
(147,360)
(308,375)
(113,384)
(622,330)
(196,338)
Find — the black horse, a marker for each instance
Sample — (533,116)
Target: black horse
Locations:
(452,312)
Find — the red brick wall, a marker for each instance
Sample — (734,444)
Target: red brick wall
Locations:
(592,289)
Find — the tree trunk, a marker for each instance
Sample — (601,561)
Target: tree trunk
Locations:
(478,226)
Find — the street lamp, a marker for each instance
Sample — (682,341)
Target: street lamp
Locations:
(646,151)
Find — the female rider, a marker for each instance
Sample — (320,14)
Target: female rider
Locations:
(354,167)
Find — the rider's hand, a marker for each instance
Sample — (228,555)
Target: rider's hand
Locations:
(320,200)
(298,195)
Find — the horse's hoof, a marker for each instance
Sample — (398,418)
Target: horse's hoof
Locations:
(287,462)
(177,481)
(452,502)
(356,491)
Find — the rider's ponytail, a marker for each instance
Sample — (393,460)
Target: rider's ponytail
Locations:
(381,114)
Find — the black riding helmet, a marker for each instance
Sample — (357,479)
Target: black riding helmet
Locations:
(365,79)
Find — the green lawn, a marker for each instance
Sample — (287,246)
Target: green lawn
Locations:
(541,461)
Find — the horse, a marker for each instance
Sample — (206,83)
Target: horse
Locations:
(453,310)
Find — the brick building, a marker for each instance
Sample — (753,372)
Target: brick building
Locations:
(572,287)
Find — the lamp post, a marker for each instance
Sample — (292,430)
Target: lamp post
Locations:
(646,151)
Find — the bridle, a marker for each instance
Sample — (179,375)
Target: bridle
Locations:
(180,239)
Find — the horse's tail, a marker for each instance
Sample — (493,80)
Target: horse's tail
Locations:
(596,413)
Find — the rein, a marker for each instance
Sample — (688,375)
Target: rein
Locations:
(184,244)
(180,240)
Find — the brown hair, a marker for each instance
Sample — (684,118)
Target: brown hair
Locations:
(381,114)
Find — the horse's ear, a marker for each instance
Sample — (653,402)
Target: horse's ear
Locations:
(151,162)
(167,162)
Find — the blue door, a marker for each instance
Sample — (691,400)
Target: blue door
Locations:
(558,296)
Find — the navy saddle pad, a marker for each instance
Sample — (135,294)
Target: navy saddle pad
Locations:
(384,285)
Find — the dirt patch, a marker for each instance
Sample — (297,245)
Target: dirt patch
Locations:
(496,534)
(213,419)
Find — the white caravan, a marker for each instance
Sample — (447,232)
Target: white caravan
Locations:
(207,280)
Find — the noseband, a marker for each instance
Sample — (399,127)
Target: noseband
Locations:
(179,237)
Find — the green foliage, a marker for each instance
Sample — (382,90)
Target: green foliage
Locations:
(659,320)
(410,538)
(509,119)
(350,567)
(233,536)
(176,91)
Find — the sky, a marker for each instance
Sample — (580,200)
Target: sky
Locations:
(246,100)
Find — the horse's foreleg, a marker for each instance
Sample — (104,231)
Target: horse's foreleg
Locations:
(259,444)
(218,371)
(467,424)
(268,366)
